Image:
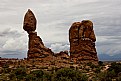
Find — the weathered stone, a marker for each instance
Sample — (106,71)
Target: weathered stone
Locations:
(36,46)
(62,55)
(29,21)
(82,41)
(82,48)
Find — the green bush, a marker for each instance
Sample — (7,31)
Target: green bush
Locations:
(37,73)
(98,70)
(100,63)
(20,73)
(91,65)
(30,77)
(47,76)
(116,67)
(106,76)
(67,74)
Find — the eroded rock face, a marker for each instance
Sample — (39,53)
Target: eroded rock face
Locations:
(82,42)
(36,48)
(62,55)
(29,21)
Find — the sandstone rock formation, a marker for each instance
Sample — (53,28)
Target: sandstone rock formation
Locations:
(62,55)
(82,42)
(36,48)
(29,21)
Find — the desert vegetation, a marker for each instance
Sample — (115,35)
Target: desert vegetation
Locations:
(87,72)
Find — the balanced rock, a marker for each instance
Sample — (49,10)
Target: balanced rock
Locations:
(82,42)
(29,21)
(36,48)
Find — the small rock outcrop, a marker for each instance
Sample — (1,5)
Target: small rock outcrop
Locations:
(36,48)
(82,42)
(62,55)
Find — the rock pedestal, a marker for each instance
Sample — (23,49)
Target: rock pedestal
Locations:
(82,42)
(36,48)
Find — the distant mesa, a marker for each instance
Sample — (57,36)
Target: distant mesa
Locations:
(82,42)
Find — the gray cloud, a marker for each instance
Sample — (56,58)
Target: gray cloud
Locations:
(14,54)
(56,47)
(10,33)
(12,42)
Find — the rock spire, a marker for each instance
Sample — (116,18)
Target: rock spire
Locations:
(36,48)
(82,42)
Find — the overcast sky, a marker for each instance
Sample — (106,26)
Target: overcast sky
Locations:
(54,18)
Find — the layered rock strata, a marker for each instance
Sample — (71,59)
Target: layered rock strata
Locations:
(36,48)
(81,37)
(82,42)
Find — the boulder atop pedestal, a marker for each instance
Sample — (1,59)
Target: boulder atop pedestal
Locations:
(29,21)
(36,48)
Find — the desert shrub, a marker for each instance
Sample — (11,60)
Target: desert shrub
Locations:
(67,74)
(97,70)
(37,73)
(106,76)
(47,76)
(91,65)
(100,63)
(20,73)
(116,67)
(30,77)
